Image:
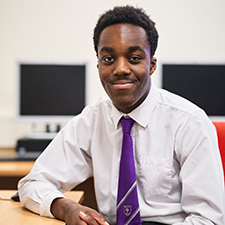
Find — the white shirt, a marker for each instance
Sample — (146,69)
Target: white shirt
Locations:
(178,166)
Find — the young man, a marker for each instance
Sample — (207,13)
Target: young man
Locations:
(179,178)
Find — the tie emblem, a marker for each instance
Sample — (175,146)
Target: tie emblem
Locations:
(127,210)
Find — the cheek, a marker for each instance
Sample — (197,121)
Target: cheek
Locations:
(104,75)
(101,73)
(103,78)
(144,80)
(143,75)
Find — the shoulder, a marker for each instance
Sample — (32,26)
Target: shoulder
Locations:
(179,110)
(100,109)
(176,102)
(102,106)
(91,117)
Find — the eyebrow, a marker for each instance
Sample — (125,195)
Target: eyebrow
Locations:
(135,48)
(107,49)
(129,49)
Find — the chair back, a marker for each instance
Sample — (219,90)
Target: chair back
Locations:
(220,128)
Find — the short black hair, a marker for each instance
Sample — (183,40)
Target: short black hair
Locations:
(127,14)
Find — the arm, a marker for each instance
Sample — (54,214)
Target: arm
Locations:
(201,172)
(61,166)
(73,213)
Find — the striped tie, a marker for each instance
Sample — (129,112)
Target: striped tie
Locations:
(128,211)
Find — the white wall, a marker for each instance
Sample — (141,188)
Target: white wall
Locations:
(62,30)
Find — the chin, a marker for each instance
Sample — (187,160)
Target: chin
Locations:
(125,106)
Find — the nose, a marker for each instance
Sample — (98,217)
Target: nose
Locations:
(121,67)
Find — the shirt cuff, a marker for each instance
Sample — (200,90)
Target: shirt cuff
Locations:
(46,209)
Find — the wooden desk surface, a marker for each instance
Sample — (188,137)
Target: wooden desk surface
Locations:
(12,213)
(14,168)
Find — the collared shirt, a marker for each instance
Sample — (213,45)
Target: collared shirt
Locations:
(178,166)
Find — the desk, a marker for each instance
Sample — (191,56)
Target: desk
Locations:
(12,213)
(12,171)
(14,168)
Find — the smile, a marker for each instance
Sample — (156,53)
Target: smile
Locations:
(123,84)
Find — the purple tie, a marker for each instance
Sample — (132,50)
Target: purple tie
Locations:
(128,211)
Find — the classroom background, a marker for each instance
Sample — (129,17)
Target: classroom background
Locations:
(56,30)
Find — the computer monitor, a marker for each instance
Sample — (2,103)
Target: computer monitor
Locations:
(50,92)
(201,83)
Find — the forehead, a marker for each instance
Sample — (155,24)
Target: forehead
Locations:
(123,34)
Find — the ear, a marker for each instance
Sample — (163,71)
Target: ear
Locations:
(98,63)
(153,65)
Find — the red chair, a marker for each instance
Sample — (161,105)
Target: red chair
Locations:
(220,127)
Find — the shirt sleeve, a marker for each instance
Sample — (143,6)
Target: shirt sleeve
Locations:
(201,172)
(54,172)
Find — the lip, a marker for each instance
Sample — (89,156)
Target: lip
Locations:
(122,84)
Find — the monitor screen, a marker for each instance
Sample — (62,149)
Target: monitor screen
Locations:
(203,84)
(50,92)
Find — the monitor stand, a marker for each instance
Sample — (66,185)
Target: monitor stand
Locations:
(42,135)
(48,134)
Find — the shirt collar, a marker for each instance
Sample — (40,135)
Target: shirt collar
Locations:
(142,113)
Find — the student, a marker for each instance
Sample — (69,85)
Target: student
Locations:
(179,177)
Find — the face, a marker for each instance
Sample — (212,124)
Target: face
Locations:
(125,65)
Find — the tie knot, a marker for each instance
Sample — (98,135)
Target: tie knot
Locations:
(126,124)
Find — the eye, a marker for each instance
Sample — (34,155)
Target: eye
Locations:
(135,59)
(108,59)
